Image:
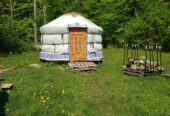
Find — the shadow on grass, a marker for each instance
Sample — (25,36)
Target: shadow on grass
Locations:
(3,101)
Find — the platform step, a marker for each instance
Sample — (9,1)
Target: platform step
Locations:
(7,86)
(166,75)
(82,66)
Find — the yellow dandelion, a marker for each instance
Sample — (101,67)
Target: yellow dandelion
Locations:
(42,97)
(72,114)
(63,91)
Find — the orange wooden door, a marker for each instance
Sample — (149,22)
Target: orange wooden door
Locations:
(77,44)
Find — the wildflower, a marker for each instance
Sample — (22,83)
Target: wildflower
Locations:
(46,91)
(43,101)
(42,97)
(63,91)
(72,114)
(7,109)
(48,98)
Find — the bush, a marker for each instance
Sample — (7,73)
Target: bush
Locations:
(18,39)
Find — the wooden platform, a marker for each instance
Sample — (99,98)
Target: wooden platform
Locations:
(7,86)
(166,75)
(140,73)
(82,66)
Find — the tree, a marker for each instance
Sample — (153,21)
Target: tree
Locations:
(11,12)
(44,9)
(35,21)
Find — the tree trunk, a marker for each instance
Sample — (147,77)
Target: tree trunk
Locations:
(11,12)
(44,9)
(0,7)
(35,22)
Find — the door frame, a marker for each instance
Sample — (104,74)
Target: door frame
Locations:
(76,27)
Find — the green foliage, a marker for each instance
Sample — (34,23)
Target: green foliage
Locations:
(19,37)
(132,21)
(4,30)
(138,21)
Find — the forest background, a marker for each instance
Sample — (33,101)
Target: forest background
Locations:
(132,21)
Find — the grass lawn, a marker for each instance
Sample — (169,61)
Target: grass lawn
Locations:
(54,90)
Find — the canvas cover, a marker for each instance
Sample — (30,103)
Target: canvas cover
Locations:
(92,38)
(65,48)
(56,41)
(94,56)
(61,24)
(55,48)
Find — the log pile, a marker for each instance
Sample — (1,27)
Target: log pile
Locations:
(150,64)
(143,65)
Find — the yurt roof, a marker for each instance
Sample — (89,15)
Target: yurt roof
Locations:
(62,23)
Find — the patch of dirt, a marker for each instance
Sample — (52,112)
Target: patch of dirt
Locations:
(2,67)
(35,66)
(60,68)
(5,70)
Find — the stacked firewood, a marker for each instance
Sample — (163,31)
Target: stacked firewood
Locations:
(143,64)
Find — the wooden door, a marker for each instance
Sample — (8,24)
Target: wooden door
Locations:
(77,44)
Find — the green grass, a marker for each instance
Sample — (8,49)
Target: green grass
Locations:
(52,91)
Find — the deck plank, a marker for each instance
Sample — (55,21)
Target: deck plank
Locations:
(82,66)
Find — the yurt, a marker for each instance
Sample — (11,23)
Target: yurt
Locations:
(71,37)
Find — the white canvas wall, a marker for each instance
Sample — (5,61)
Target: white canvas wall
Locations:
(91,38)
(55,39)
(94,47)
(60,49)
(65,48)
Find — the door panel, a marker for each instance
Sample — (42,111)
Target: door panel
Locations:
(77,44)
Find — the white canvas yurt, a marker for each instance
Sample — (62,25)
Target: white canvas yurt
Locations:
(71,37)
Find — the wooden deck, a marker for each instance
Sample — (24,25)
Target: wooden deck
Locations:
(166,75)
(82,66)
(140,73)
